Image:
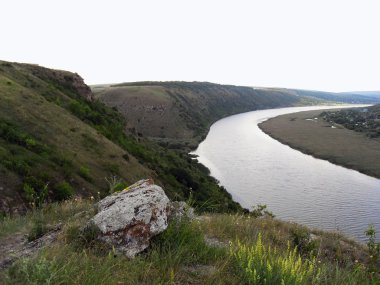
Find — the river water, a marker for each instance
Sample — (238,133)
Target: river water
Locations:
(257,169)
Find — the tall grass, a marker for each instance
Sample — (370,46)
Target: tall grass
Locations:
(262,254)
(260,264)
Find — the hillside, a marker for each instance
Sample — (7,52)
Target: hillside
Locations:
(184,110)
(373,94)
(56,141)
(180,113)
(43,142)
(348,98)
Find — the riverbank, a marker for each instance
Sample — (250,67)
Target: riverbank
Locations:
(308,133)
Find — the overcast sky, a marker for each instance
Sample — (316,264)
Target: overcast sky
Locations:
(322,45)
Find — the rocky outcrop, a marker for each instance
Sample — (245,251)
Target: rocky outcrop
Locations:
(129,219)
(63,78)
(16,246)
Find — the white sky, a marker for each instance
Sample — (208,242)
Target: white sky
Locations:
(322,45)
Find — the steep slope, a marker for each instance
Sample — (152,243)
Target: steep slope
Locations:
(185,110)
(180,113)
(43,143)
(56,140)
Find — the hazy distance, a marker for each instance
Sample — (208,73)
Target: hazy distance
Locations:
(315,45)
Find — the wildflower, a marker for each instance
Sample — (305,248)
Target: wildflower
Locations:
(92,198)
(356,261)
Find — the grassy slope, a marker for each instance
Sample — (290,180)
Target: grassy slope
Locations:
(337,145)
(81,142)
(34,106)
(184,110)
(182,255)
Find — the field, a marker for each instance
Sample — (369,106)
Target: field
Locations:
(307,132)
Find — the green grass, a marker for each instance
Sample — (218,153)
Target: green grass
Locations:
(51,135)
(260,264)
(256,249)
(338,145)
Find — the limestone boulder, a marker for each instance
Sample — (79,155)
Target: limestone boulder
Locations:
(129,219)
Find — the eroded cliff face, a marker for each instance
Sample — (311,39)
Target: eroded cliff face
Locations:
(62,78)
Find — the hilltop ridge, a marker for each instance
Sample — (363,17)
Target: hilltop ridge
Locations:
(180,113)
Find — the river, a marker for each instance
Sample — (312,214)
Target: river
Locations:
(257,169)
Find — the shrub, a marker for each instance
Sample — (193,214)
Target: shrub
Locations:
(63,191)
(36,196)
(303,242)
(84,172)
(373,248)
(39,228)
(260,211)
(115,184)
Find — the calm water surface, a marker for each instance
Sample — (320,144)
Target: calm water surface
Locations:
(257,169)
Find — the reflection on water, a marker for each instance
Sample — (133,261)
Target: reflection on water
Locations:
(257,169)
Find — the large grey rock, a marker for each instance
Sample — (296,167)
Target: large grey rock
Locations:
(129,219)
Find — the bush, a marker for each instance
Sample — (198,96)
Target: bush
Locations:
(373,248)
(38,230)
(36,196)
(63,191)
(84,172)
(115,184)
(303,242)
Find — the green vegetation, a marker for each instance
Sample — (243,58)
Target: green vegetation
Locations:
(373,248)
(364,120)
(259,264)
(63,191)
(45,141)
(57,142)
(213,249)
(309,133)
(53,134)
(179,114)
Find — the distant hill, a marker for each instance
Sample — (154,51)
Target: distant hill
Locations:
(372,94)
(183,111)
(351,98)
